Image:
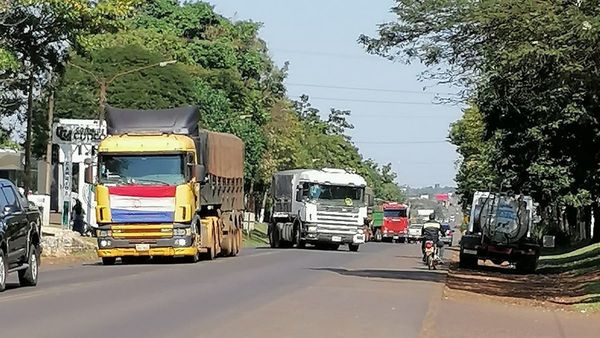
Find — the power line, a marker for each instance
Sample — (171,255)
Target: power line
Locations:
(400,142)
(371,101)
(369,89)
(338,55)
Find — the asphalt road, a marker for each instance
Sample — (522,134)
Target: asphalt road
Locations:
(380,291)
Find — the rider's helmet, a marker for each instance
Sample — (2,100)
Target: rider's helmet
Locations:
(432,216)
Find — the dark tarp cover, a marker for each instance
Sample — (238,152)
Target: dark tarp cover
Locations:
(183,120)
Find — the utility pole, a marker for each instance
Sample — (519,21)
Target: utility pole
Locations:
(48,180)
(104,83)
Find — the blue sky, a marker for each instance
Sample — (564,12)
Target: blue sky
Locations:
(392,122)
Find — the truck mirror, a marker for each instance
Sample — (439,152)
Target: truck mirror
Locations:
(89,175)
(200,173)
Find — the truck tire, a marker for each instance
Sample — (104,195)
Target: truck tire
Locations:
(300,243)
(467,261)
(274,237)
(378,235)
(109,260)
(3,270)
(353,247)
(527,265)
(29,276)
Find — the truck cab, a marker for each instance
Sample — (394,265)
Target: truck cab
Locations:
(395,222)
(325,207)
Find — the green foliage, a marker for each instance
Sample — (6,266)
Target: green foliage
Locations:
(531,68)
(156,87)
(475,171)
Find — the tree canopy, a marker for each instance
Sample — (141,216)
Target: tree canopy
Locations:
(221,65)
(530,70)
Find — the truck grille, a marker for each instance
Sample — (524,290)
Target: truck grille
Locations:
(141,232)
(338,223)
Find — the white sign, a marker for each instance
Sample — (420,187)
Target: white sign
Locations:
(77,132)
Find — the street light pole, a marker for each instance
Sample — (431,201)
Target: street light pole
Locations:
(104,83)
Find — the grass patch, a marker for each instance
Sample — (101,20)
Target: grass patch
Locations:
(582,268)
(258,237)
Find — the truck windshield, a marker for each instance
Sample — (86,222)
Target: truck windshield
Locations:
(142,169)
(335,194)
(395,213)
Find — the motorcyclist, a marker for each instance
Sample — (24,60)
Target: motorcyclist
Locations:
(431,232)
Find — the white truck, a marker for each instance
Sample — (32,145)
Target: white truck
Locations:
(326,208)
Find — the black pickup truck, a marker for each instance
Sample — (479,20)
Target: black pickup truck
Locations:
(20,234)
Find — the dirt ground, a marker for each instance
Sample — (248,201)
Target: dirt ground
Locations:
(563,291)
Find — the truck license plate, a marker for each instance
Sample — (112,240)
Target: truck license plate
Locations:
(396,237)
(336,238)
(142,247)
(470,252)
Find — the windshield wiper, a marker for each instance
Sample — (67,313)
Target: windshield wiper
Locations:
(151,181)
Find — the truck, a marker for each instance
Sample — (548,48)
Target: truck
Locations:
(325,208)
(423,214)
(166,188)
(395,223)
(499,229)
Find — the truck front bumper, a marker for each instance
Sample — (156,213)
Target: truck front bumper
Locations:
(336,238)
(178,246)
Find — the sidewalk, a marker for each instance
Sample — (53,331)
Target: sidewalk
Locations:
(462,318)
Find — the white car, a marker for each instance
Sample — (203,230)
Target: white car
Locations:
(415,232)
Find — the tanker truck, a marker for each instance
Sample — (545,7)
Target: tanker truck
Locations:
(326,208)
(499,230)
(165,187)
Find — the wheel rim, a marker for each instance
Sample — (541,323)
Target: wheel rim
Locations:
(33,265)
(2,271)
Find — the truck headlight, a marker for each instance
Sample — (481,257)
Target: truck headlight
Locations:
(104,243)
(312,229)
(180,242)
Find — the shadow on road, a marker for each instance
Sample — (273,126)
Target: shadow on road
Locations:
(414,275)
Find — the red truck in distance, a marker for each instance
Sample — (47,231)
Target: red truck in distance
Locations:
(395,222)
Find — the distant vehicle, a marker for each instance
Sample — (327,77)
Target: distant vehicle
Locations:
(20,234)
(448,234)
(395,223)
(324,207)
(415,232)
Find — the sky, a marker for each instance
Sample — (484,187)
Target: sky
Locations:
(393,124)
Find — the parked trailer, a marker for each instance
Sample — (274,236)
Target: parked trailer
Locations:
(167,188)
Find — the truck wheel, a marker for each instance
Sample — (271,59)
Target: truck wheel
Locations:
(527,265)
(300,244)
(29,276)
(109,260)
(274,237)
(353,247)
(227,245)
(378,236)
(467,261)
(3,271)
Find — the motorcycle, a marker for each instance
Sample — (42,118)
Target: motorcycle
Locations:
(431,255)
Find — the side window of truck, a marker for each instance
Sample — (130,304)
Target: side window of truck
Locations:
(11,197)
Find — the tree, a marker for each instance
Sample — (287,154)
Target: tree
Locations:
(35,32)
(530,67)
(475,171)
